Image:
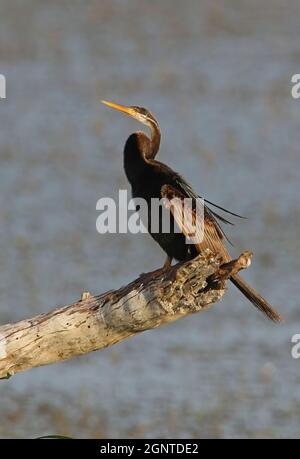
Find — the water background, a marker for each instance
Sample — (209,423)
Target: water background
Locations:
(217,76)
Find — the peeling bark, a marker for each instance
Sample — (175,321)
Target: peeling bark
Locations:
(95,322)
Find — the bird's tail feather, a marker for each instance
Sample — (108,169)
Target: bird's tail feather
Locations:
(256,299)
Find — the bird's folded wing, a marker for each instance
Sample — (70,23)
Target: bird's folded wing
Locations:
(198,227)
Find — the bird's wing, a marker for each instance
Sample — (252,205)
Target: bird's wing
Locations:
(225,210)
(207,235)
(183,187)
(213,216)
(189,190)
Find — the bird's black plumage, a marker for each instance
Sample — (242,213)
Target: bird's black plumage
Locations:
(150,179)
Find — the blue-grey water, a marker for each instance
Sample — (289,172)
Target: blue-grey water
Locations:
(217,75)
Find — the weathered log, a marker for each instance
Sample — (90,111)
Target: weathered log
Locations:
(95,322)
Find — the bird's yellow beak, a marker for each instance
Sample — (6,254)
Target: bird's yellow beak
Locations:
(122,108)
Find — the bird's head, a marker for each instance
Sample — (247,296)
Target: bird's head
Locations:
(145,117)
(140,114)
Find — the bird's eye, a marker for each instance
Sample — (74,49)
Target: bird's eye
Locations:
(142,111)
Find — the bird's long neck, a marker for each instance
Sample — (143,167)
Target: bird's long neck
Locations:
(136,153)
(155,140)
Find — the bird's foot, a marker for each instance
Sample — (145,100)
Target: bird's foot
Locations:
(167,264)
(158,272)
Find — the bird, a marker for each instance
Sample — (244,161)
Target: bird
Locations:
(150,178)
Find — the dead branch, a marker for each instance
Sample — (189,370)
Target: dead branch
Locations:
(95,322)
